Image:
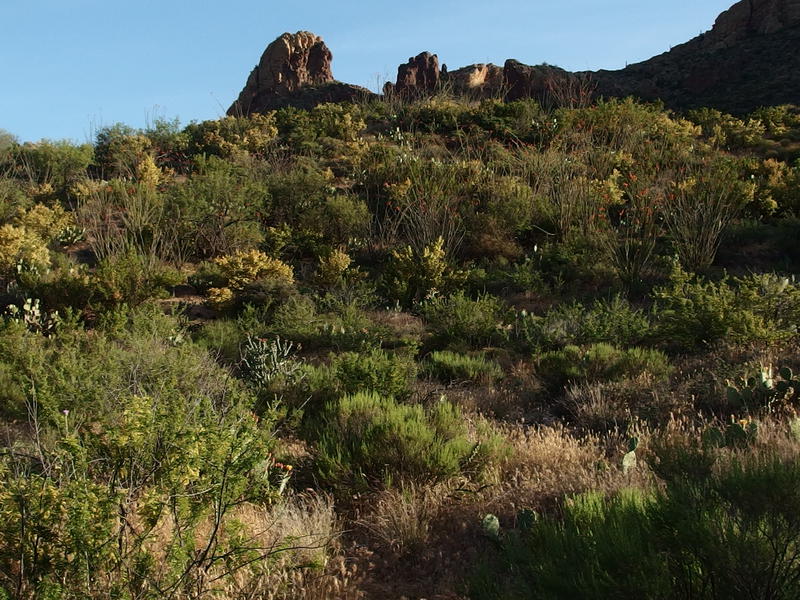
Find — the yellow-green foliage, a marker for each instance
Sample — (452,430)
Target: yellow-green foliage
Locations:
(337,121)
(231,135)
(220,297)
(243,268)
(416,275)
(333,267)
(20,245)
(46,222)
(726,131)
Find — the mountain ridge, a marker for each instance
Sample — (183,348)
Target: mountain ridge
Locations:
(746,60)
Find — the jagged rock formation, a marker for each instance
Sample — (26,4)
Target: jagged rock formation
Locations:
(420,75)
(295,70)
(748,59)
(750,18)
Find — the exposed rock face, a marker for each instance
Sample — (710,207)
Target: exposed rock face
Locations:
(290,63)
(540,82)
(480,80)
(749,59)
(420,75)
(751,17)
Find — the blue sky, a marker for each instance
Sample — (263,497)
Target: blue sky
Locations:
(68,67)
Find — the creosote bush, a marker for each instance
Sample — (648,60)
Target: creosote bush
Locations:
(369,439)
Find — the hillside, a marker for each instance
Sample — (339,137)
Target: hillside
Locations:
(427,345)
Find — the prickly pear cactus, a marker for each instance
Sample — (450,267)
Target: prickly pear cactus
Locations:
(765,390)
(490,525)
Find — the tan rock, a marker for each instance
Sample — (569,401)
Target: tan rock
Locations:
(483,79)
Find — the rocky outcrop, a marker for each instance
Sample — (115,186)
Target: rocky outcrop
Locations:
(748,59)
(750,18)
(419,76)
(291,62)
(295,70)
(479,80)
(540,82)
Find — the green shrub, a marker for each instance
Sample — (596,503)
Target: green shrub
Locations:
(132,278)
(21,249)
(296,320)
(599,362)
(611,321)
(217,210)
(728,534)
(414,275)
(249,278)
(449,366)
(692,313)
(366,438)
(231,135)
(377,371)
(460,321)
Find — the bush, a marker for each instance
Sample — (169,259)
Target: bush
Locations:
(611,321)
(599,362)
(460,321)
(250,276)
(366,439)
(21,249)
(692,313)
(231,135)
(730,534)
(132,278)
(376,371)
(217,210)
(413,275)
(449,367)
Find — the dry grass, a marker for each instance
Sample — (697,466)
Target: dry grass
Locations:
(290,550)
(609,406)
(400,520)
(549,463)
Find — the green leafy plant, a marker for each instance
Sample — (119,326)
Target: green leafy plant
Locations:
(460,321)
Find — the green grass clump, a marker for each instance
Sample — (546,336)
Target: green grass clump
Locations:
(730,534)
(600,362)
(447,366)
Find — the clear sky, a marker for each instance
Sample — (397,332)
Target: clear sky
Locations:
(68,67)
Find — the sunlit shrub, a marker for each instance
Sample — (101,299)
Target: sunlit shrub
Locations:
(458,320)
(369,439)
(132,278)
(21,248)
(599,362)
(230,135)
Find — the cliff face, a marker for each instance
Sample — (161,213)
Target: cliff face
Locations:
(748,59)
